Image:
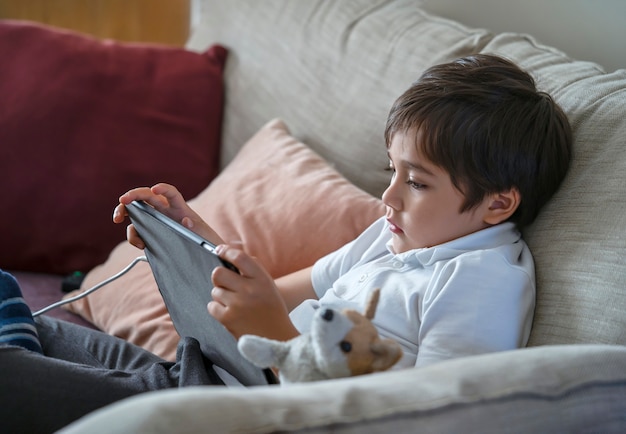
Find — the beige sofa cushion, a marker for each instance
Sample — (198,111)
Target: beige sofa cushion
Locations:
(330,69)
(578,241)
(555,389)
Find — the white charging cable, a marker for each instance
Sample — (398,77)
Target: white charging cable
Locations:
(93,289)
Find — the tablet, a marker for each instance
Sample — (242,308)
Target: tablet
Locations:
(182,263)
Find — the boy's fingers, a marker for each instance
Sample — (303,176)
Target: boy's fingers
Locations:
(216,309)
(224,281)
(119,213)
(145,193)
(222,296)
(133,237)
(164,188)
(134,194)
(174,197)
(245,264)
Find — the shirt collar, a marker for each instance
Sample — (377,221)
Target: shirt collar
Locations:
(489,238)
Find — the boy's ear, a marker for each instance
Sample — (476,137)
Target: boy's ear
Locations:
(502,206)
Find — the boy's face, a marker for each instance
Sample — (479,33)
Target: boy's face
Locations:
(422,203)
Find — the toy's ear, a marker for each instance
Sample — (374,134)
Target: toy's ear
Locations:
(260,351)
(372,302)
(386,354)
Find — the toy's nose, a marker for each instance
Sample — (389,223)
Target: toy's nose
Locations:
(328,314)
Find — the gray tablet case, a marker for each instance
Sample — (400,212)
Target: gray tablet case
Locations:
(182,263)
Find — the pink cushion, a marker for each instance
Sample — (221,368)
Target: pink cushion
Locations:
(83,120)
(278,197)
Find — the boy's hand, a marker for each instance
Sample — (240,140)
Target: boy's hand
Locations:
(249,302)
(168,200)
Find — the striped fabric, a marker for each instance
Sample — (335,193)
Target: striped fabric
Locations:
(16,322)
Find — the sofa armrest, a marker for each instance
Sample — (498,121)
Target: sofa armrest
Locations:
(542,389)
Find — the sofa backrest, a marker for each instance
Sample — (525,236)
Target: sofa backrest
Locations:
(583,29)
(331,70)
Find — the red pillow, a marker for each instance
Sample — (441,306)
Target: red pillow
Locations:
(82,121)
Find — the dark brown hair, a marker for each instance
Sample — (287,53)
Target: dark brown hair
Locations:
(482,119)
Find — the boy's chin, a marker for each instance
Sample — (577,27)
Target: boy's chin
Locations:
(399,244)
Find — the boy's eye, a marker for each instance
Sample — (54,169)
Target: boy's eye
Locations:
(416,185)
(391,169)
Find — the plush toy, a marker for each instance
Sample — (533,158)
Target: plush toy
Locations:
(340,344)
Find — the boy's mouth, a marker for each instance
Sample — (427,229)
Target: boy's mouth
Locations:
(394,228)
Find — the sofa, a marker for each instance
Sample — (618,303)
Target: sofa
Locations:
(271,120)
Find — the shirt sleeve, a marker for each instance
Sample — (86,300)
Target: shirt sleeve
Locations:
(362,249)
(471,310)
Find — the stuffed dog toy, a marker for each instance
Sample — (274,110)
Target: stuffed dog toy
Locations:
(340,344)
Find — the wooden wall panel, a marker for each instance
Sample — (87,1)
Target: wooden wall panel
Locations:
(162,21)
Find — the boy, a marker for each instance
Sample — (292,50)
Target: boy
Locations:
(475,153)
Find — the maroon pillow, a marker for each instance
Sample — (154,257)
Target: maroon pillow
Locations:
(82,121)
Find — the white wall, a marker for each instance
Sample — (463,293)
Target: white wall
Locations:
(584,29)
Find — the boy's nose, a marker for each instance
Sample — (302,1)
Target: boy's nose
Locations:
(390,197)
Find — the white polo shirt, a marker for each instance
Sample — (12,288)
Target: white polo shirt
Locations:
(472,295)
